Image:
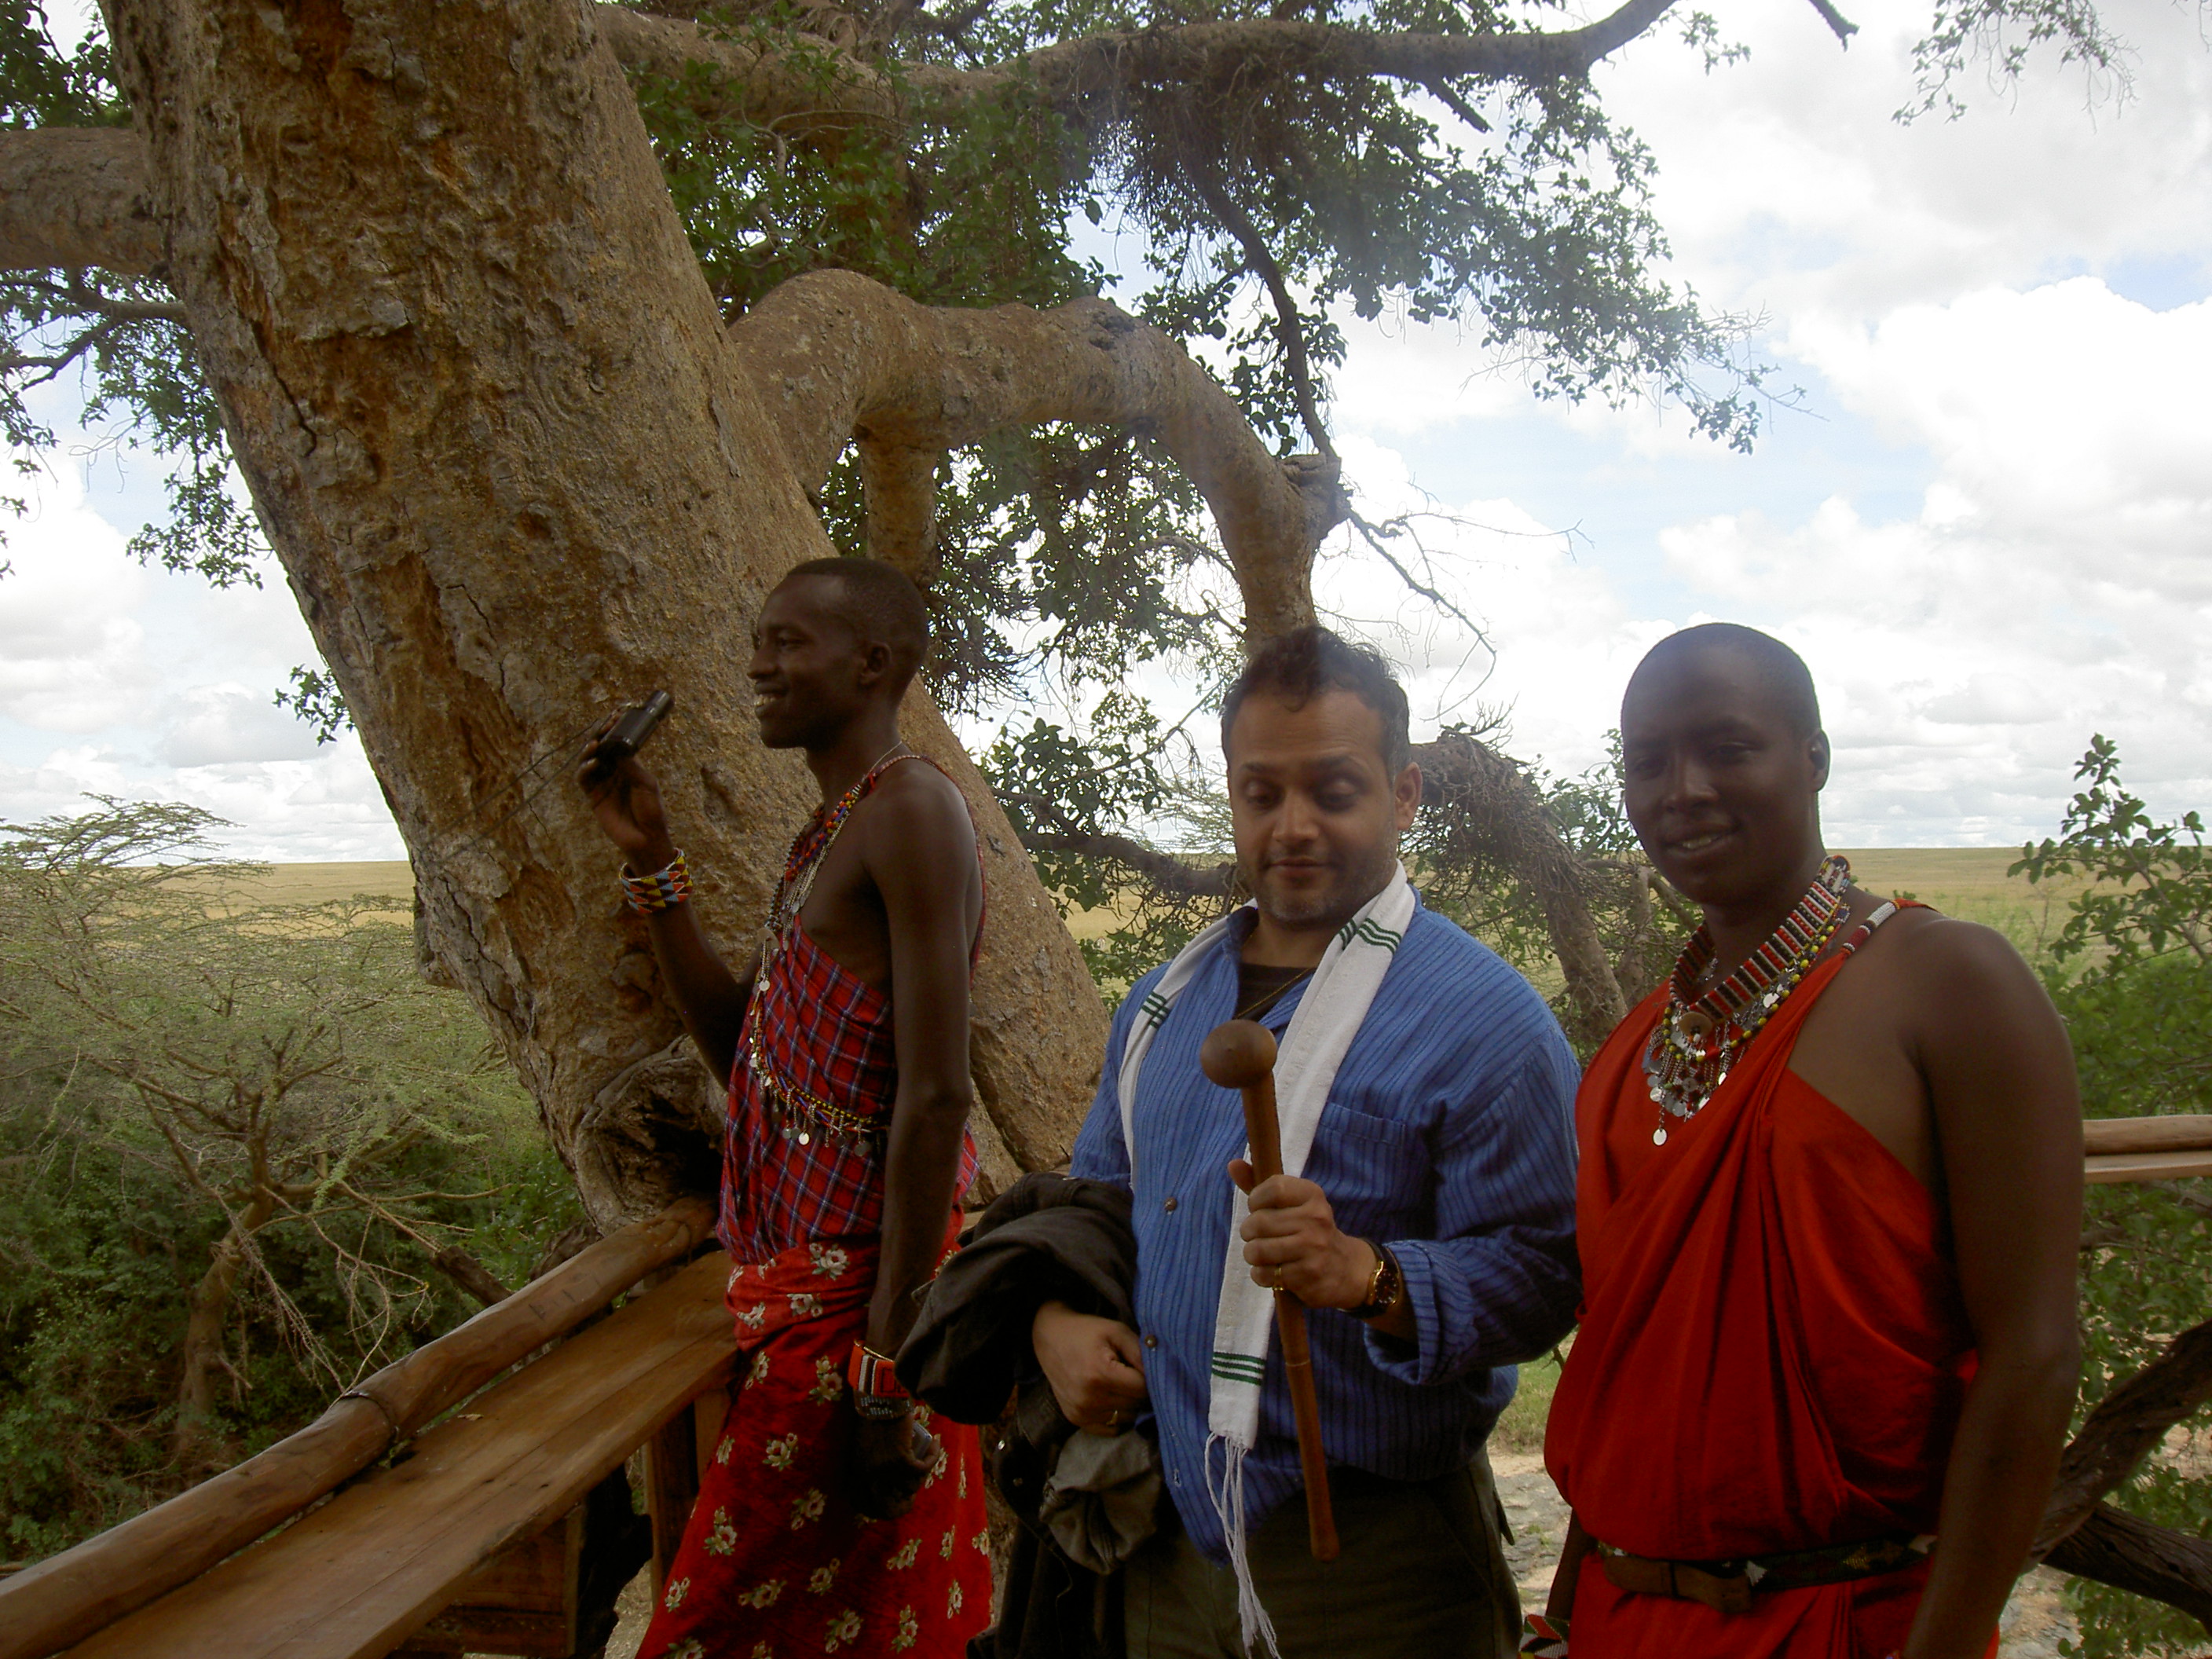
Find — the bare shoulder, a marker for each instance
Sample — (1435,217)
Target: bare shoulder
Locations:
(1964,984)
(1935,949)
(915,810)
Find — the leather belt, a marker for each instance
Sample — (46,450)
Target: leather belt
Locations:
(1682,1580)
(1729,1586)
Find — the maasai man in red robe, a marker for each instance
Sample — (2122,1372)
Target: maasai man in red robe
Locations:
(1829,1212)
(831,1518)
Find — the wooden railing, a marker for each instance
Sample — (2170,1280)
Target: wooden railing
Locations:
(2148,1148)
(169,1581)
(491,1494)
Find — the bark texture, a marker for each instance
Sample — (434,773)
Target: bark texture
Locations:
(2128,1425)
(517,474)
(72,198)
(2119,1549)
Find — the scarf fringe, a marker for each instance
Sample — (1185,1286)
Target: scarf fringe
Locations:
(1228,1499)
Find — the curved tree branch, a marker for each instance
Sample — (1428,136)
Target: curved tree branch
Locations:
(1496,812)
(1166,874)
(836,357)
(77,197)
(2130,1553)
(73,197)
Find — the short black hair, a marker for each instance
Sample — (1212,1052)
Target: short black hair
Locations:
(1300,665)
(1782,669)
(882,606)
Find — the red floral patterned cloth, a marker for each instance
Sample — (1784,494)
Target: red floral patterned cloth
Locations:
(822,1034)
(775,1564)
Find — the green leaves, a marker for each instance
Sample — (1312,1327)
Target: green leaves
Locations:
(2150,888)
(2130,976)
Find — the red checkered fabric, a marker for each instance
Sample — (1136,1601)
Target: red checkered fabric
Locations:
(824,1034)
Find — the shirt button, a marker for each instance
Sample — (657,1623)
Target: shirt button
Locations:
(1171,1204)
(1151,1341)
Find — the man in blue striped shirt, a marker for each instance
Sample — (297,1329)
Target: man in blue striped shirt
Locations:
(1431,1229)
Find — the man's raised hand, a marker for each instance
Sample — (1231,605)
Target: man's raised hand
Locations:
(1292,1243)
(626,800)
(1096,1367)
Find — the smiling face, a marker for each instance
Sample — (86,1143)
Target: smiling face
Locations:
(1316,812)
(811,673)
(1720,779)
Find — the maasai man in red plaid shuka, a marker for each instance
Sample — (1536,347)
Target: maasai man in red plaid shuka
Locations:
(834,1517)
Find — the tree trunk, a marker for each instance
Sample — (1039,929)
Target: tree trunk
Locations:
(195,1439)
(516,476)
(1492,810)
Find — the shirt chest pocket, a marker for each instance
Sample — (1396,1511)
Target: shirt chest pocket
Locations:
(1377,1165)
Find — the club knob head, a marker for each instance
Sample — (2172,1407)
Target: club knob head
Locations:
(1238,1053)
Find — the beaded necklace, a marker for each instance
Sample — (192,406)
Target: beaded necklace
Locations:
(808,848)
(1699,1037)
(797,1113)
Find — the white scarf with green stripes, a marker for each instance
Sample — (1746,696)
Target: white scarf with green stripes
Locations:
(1328,1016)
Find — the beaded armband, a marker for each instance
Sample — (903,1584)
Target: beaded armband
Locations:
(878,1394)
(664,890)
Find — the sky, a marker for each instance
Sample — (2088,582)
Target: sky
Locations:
(1986,524)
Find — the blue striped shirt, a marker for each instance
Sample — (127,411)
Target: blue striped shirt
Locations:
(1449,1135)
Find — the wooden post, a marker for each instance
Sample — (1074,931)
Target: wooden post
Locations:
(708,1413)
(671,1486)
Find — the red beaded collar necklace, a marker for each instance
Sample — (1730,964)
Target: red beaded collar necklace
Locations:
(1699,1037)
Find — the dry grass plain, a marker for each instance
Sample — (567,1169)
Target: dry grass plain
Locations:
(1969,882)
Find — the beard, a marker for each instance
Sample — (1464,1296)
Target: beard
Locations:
(1336,901)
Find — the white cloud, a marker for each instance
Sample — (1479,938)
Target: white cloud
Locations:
(72,655)
(228,723)
(1784,182)
(171,685)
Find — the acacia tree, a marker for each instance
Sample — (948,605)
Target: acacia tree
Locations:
(272,1066)
(547,334)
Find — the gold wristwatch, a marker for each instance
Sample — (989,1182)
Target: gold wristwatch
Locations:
(1384,1289)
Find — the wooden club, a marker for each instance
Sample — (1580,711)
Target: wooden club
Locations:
(1240,1056)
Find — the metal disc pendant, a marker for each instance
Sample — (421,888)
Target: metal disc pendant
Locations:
(804,1138)
(1659,1136)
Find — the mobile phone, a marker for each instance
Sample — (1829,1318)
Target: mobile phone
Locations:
(627,735)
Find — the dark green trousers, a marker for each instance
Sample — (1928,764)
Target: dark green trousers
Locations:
(1422,1576)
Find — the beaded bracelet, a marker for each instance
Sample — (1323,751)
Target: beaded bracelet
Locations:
(664,890)
(878,1394)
